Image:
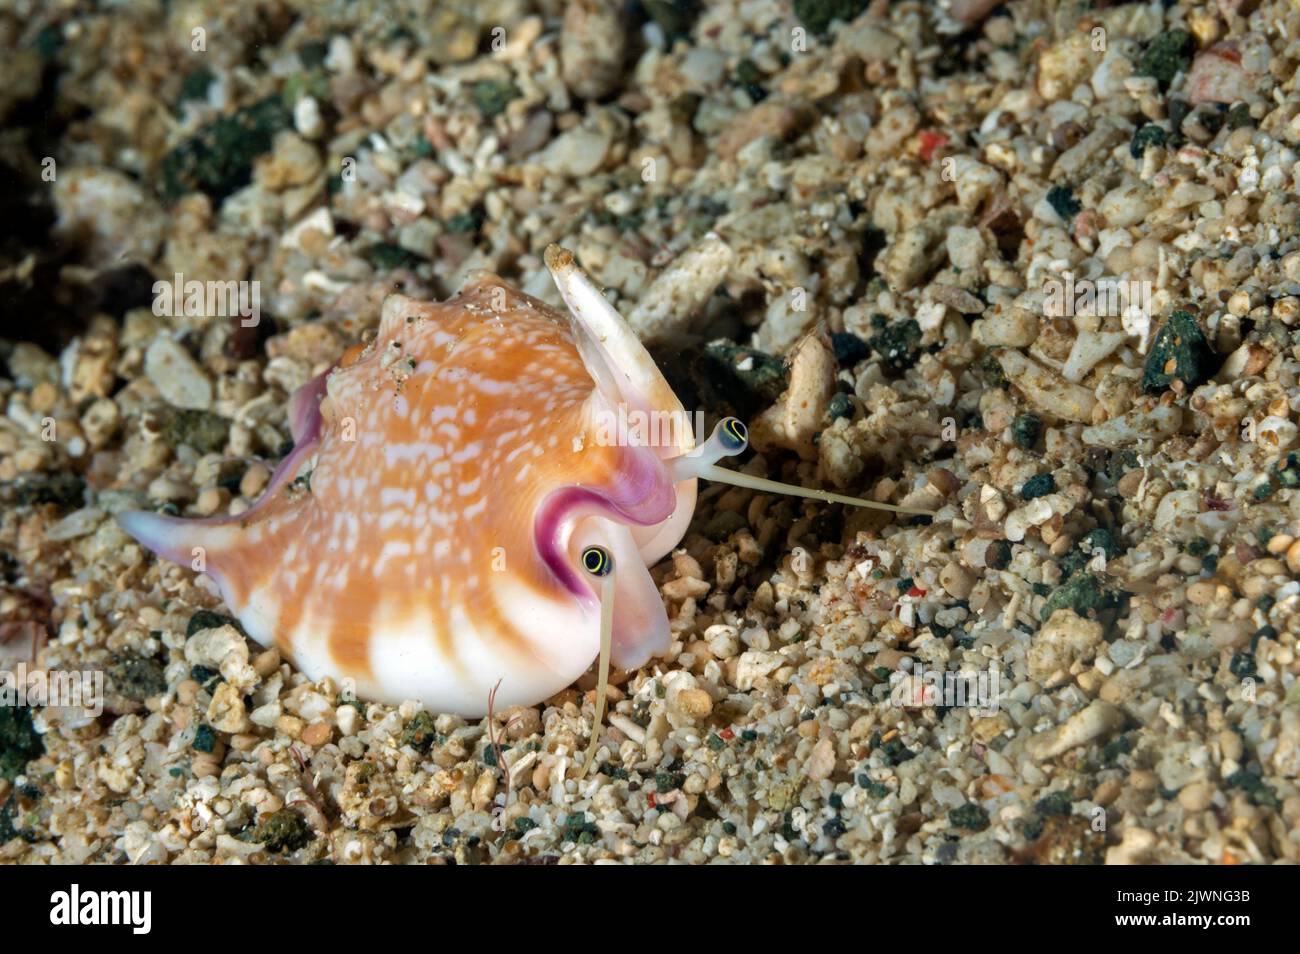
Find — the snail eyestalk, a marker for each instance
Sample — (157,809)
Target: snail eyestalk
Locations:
(730,438)
(598,562)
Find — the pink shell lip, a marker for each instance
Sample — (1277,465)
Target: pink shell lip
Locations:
(304,409)
(641,494)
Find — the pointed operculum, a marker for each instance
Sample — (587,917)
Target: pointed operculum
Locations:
(625,374)
(602,330)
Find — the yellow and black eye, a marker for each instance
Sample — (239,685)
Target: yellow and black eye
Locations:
(597,561)
(733,434)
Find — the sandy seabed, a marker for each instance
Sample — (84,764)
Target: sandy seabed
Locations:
(888,236)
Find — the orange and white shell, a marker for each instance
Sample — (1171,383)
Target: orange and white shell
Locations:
(423,537)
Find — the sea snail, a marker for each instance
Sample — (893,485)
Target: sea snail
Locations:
(448,518)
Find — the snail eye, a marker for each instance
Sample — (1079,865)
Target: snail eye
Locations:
(733,434)
(597,561)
